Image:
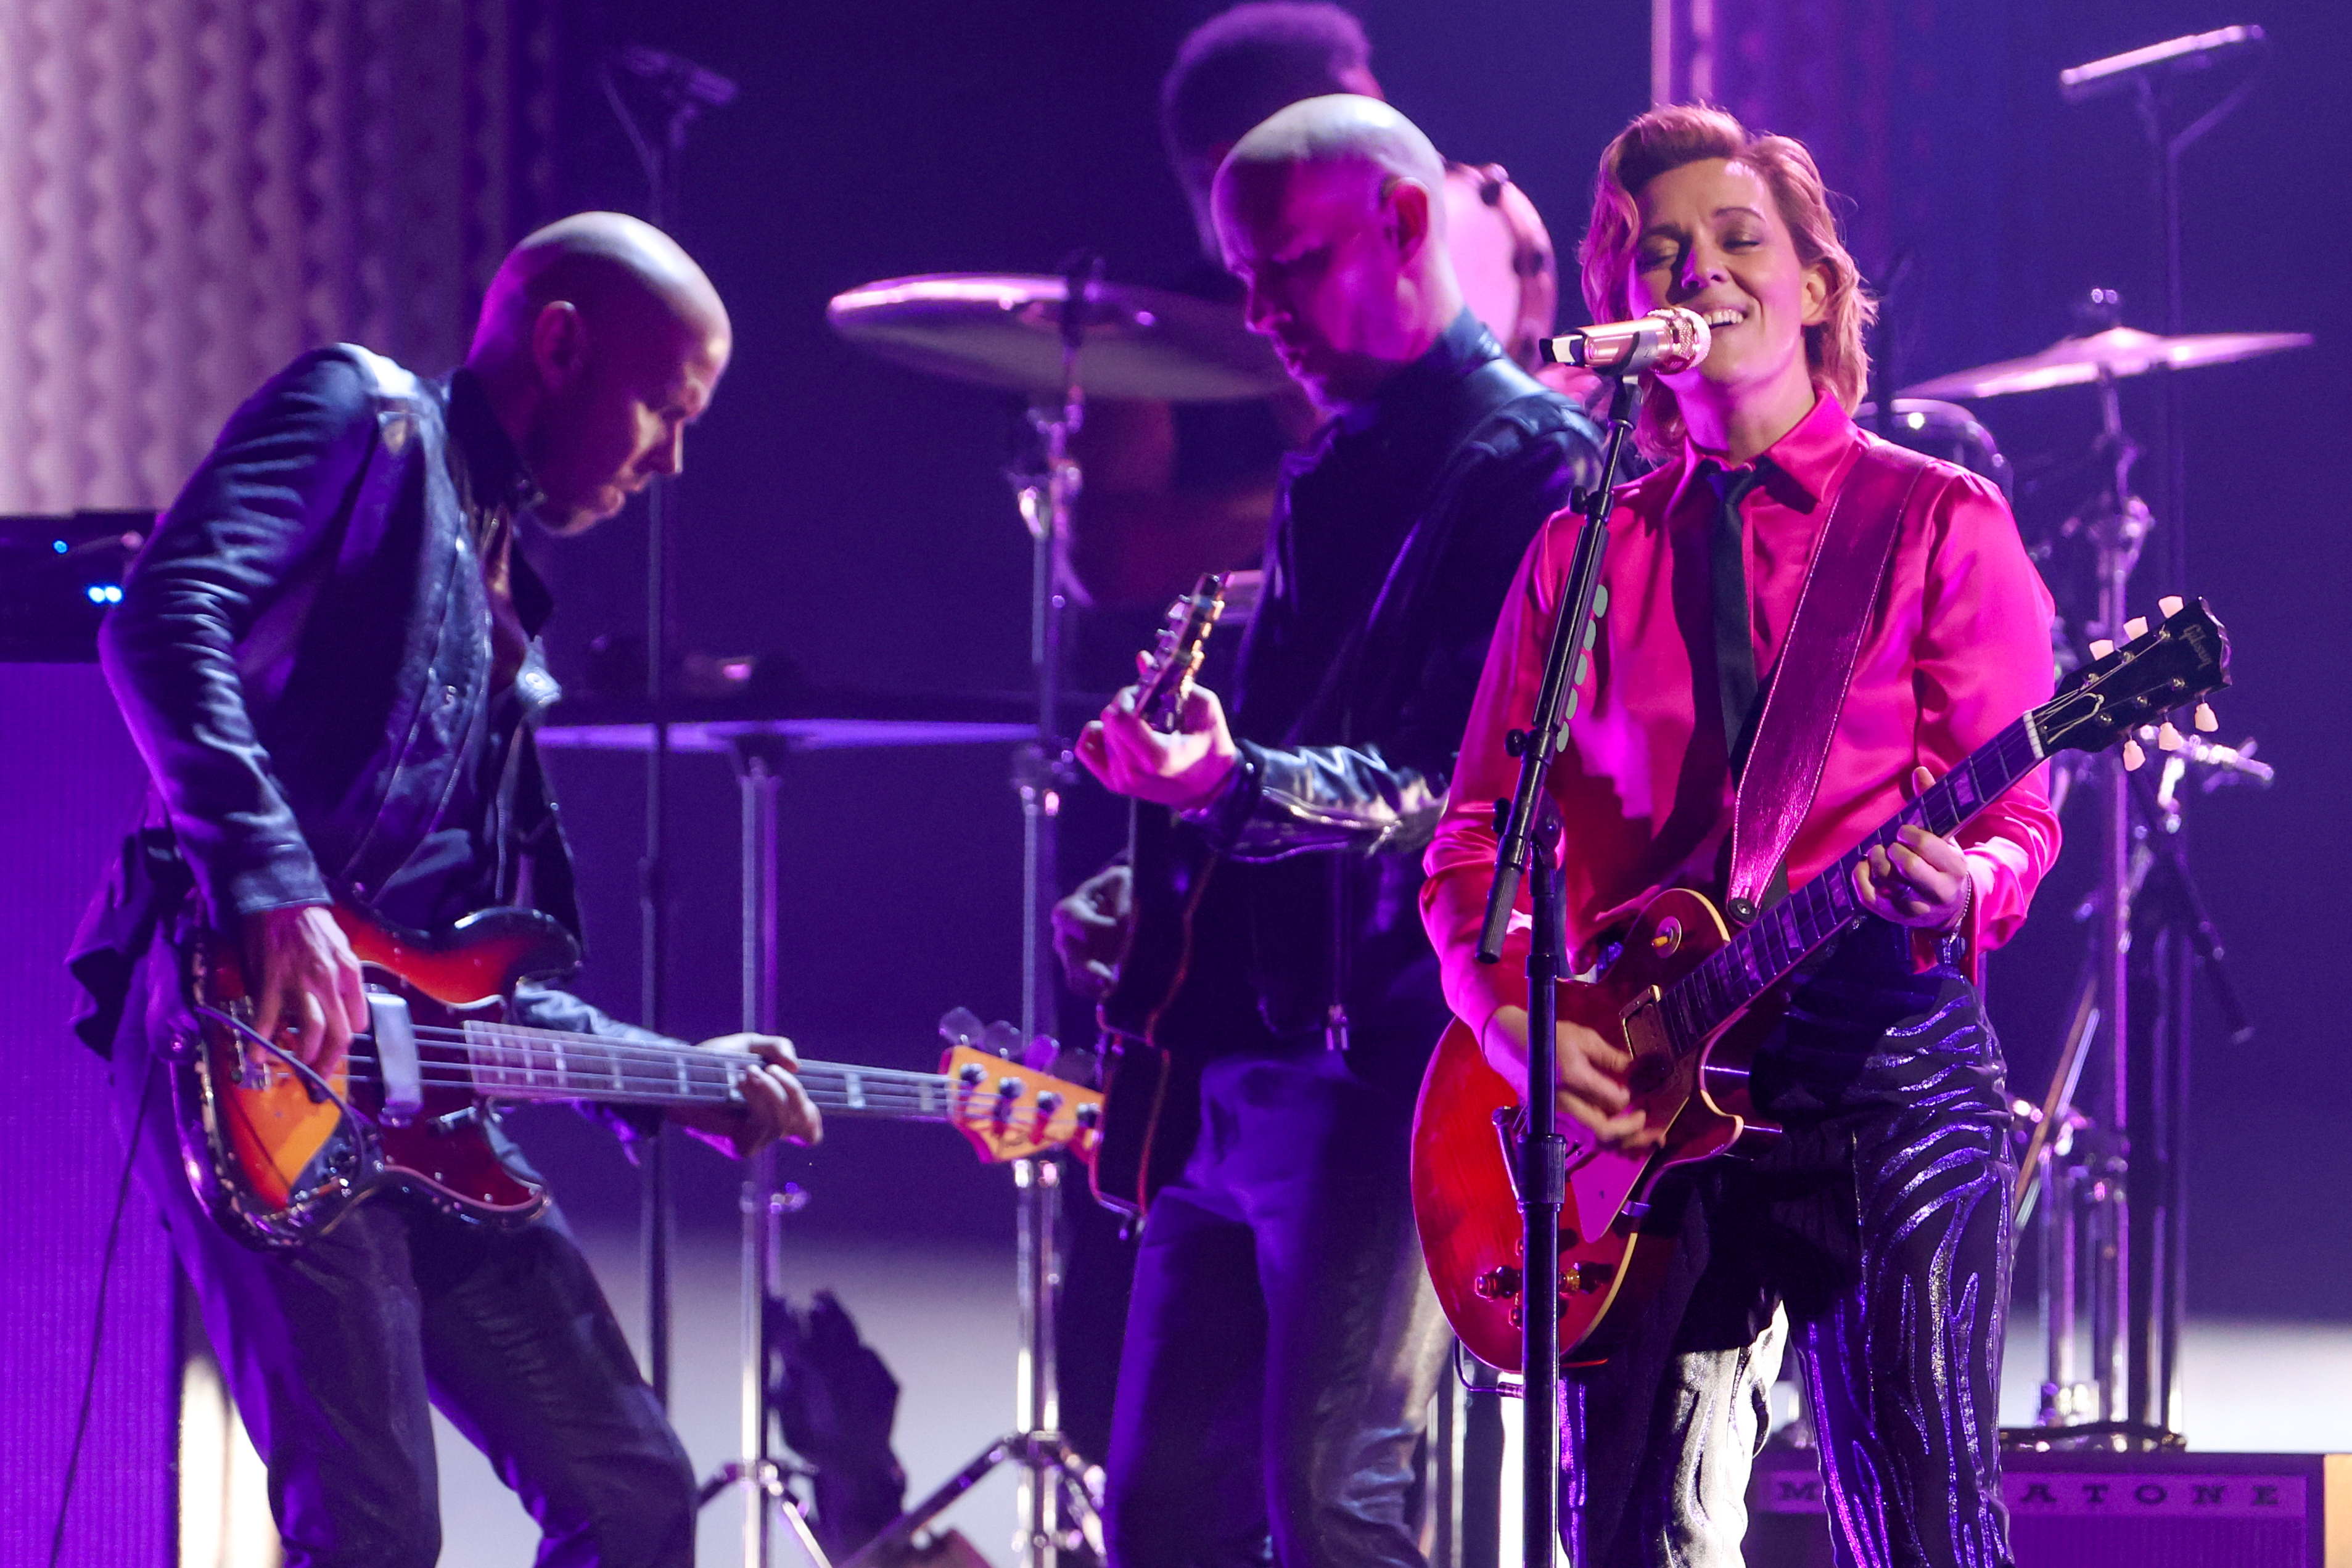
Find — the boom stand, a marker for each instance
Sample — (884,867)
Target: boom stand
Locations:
(684,91)
(1530,828)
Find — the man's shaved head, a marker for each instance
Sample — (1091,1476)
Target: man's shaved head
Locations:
(1342,129)
(1332,214)
(599,262)
(600,340)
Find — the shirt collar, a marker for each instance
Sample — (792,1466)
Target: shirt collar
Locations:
(1463,347)
(1807,460)
(496,476)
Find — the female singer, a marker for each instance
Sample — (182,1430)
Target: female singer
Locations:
(1880,1221)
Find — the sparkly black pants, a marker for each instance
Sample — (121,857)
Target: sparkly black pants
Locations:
(1880,1226)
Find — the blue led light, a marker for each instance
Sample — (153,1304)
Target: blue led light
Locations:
(58,546)
(104,593)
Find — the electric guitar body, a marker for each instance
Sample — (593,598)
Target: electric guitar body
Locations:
(277,1162)
(278,1155)
(1469,1119)
(1151,1093)
(1690,1001)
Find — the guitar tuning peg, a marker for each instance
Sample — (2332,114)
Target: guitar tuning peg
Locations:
(2102,646)
(2170,605)
(2132,756)
(2166,738)
(2204,720)
(2135,627)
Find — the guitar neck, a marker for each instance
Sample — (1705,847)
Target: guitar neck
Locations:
(510,1061)
(1732,977)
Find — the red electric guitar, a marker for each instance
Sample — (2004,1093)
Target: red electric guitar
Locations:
(1690,1001)
(278,1155)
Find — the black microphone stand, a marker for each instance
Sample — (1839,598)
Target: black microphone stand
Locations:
(1530,828)
(683,91)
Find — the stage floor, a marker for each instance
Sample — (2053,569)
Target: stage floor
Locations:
(942,1318)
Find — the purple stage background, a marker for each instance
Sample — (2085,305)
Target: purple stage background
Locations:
(852,517)
(69,784)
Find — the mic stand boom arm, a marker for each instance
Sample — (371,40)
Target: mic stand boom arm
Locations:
(1529,828)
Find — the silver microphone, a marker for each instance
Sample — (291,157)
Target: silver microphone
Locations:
(1668,340)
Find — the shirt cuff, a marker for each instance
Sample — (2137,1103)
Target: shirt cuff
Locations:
(1223,816)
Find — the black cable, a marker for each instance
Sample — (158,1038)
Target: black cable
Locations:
(98,1317)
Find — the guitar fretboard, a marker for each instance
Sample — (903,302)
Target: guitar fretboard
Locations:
(1733,977)
(511,1062)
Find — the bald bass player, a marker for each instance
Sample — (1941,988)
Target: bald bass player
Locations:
(327,656)
(1283,1344)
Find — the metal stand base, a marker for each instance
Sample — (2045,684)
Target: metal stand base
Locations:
(1045,1456)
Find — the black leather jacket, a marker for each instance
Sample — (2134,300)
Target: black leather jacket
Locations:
(303,656)
(1396,536)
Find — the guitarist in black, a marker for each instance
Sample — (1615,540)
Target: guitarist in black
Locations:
(327,655)
(1283,1344)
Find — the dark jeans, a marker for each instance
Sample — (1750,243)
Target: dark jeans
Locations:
(335,1350)
(1284,1345)
(1880,1223)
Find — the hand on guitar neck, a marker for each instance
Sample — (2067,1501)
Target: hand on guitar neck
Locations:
(1922,880)
(1181,769)
(774,1104)
(312,999)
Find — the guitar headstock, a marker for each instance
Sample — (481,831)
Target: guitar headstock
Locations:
(1169,668)
(1014,1113)
(2174,664)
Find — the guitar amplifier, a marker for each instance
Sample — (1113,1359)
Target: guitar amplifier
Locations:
(2108,1510)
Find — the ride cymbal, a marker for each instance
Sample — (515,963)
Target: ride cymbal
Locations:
(2118,351)
(1006,330)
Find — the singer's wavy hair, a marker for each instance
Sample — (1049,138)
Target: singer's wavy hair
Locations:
(1668,138)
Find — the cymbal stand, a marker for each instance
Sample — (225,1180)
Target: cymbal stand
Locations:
(2105,1179)
(770,1513)
(1057,1507)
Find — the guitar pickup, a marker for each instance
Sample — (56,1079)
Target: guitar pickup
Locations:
(398,1071)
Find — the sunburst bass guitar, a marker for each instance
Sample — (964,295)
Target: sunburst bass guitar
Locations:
(1690,1000)
(278,1155)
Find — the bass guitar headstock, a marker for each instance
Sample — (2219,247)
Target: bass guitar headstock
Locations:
(1167,671)
(1009,1110)
(2175,664)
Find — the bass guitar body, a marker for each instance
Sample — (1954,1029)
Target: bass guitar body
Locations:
(1467,1128)
(278,1162)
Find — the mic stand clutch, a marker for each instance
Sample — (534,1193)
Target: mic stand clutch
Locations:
(1529,829)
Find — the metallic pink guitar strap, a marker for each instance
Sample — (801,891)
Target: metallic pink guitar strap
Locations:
(1816,666)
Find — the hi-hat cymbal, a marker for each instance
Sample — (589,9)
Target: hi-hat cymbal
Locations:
(2117,352)
(1006,330)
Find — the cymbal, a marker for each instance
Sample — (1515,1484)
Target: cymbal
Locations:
(1006,330)
(2118,351)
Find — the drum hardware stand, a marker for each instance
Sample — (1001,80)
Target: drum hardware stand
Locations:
(2108,1183)
(1057,1506)
(1527,827)
(685,90)
(769,1510)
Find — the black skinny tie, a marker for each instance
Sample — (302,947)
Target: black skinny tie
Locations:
(1735,641)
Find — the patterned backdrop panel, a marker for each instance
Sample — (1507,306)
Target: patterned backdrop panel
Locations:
(192,193)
